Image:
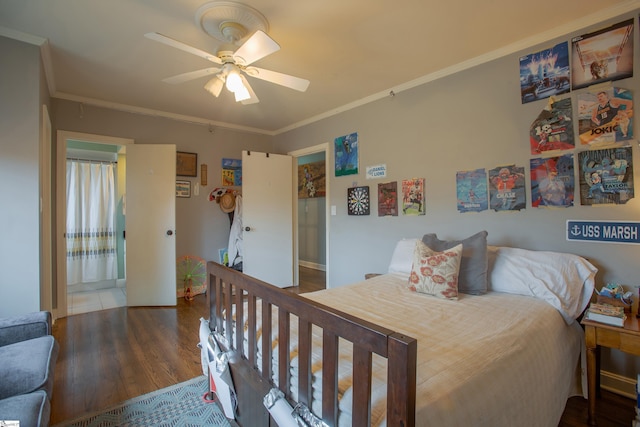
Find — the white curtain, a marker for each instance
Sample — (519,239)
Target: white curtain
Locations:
(91,239)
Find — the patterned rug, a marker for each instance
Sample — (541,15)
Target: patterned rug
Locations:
(179,405)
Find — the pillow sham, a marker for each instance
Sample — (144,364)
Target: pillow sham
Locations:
(473,267)
(566,281)
(435,273)
(402,257)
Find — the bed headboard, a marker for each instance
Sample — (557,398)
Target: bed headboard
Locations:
(228,287)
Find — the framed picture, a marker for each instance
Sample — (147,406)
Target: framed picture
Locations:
(186,164)
(183,188)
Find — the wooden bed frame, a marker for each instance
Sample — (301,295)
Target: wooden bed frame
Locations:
(228,287)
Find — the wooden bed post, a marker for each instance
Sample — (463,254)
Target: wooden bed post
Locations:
(401,393)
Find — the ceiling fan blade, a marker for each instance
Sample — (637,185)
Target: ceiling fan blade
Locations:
(185,47)
(191,75)
(278,78)
(257,47)
(253,99)
(215,86)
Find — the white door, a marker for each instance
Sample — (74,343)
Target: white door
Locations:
(267,217)
(150,225)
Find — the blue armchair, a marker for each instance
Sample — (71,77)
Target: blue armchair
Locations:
(28,354)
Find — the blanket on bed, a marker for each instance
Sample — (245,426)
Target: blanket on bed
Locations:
(489,360)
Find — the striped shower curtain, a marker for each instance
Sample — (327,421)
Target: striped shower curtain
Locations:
(91,239)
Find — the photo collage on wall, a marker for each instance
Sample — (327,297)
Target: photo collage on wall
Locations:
(603,112)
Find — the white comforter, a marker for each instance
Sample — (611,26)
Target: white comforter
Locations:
(492,360)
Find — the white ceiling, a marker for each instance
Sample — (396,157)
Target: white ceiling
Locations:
(352,51)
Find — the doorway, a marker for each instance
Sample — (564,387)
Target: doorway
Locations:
(95,254)
(311,214)
(92,296)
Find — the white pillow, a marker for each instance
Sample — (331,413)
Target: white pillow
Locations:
(566,281)
(402,258)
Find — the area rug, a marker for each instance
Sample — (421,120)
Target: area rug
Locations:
(179,405)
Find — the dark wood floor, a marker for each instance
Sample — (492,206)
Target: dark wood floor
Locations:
(113,355)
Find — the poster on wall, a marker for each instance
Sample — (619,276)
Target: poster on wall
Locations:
(312,180)
(606,176)
(358,202)
(553,128)
(471,189)
(552,182)
(507,188)
(388,199)
(231,172)
(604,55)
(605,116)
(545,73)
(346,154)
(413,196)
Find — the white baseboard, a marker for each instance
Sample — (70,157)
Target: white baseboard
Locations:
(313,265)
(121,283)
(618,384)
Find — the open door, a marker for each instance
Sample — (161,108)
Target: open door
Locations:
(150,225)
(267,217)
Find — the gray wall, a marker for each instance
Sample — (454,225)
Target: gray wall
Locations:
(20,112)
(469,120)
(201,227)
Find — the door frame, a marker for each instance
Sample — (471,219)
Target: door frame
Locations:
(295,154)
(61,207)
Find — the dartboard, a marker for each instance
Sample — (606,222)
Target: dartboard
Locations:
(358,200)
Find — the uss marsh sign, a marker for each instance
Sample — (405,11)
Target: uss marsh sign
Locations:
(604,231)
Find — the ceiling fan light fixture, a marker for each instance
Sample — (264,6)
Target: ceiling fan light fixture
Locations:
(234,82)
(214,86)
(242,94)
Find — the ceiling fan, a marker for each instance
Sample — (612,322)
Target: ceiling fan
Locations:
(231,23)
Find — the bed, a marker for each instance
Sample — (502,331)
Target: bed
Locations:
(380,353)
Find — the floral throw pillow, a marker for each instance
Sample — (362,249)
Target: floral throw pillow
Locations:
(435,273)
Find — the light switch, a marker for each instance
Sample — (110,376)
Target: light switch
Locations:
(333,210)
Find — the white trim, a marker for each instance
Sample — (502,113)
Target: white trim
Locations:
(22,37)
(312,265)
(158,113)
(46,214)
(618,384)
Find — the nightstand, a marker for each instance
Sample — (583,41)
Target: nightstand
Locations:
(598,335)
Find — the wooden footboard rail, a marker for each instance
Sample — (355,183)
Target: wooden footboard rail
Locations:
(228,287)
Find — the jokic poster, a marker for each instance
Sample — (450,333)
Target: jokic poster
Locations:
(605,116)
(552,182)
(507,188)
(606,176)
(471,187)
